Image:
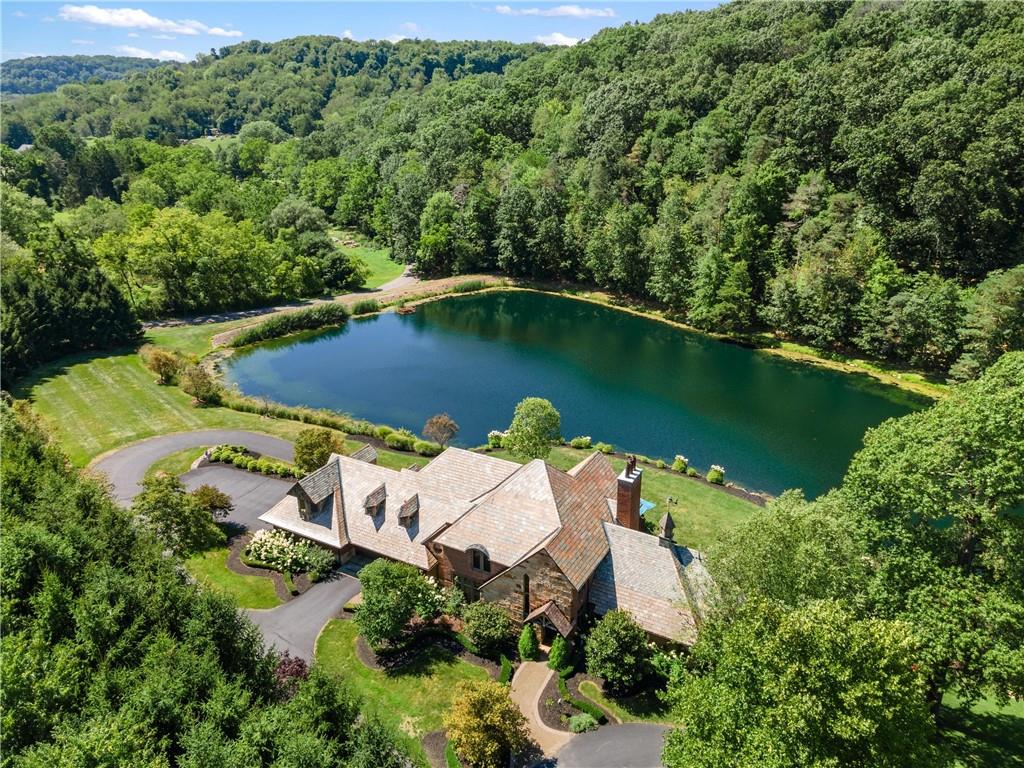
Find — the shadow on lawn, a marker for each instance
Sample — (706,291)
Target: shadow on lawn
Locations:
(980,740)
(44,372)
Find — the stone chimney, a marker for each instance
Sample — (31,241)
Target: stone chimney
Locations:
(627,500)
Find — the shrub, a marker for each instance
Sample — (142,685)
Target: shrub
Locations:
(617,651)
(528,645)
(366,307)
(582,723)
(383,431)
(580,442)
(605,448)
(400,442)
(716,474)
(495,438)
(239,460)
(487,626)
(283,552)
(484,725)
(643,459)
(317,316)
(680,463)
(659,464)
(560,654)
(581,704)
(506,670)
(426,448)
(391,593)
(213,500)
(691,472)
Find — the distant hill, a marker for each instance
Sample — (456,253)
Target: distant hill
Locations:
(39,74)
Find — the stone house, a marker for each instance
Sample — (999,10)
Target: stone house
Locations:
(544,544)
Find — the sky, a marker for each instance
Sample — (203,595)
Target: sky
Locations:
(177,31)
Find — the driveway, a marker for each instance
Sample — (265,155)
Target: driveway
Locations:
(126,468)
(634,745)
(252,494)
(294,626)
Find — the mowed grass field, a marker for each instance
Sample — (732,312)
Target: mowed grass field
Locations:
(701,513)
(382,268)
(210,568)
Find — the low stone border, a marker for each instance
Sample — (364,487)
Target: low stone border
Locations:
(237,545)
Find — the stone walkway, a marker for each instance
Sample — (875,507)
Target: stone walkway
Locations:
(527,687)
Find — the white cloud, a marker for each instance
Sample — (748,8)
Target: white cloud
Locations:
(395,38)
(136,18)
(47,19)
(410,26)
(142,53)
(572,11)
(557,38)
(347,34)
(155,37)
(83,42)
(133,34)
(20,15)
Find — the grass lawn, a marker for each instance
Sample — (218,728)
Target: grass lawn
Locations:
(644,707)
(984,735)
(382,268)
(98,403)
(192,339)
(700,513)
(177,463)
(210,568)
(413,699)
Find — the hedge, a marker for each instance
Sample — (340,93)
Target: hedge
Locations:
(583,706)
(506,670)
(310,318)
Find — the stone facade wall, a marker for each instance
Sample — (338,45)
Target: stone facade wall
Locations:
(547,582)
(454,562)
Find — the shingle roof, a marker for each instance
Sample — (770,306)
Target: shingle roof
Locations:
(663,586)
(324,527)
(410,507)
(321,483)
(367,453)
(553,614)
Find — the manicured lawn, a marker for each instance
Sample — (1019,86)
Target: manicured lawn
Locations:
(382,268)
(210,568)
(96,404)
(413,699)
(644,707)
(191,339)
(177,463)
(700,513)
(986,734)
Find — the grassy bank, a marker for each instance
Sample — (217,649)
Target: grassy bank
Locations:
(644,707)
(382,268)
(210,569)
(177,463)
(701,513)
(412,699)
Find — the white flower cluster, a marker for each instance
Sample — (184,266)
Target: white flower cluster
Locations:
(719,468)
(278,549)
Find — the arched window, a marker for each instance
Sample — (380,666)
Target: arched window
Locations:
(481,560)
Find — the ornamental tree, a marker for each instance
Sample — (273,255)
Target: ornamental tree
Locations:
(199,382)
(528,645)
(391,593)
(536,426)
(176,517)
(440,428)
(484,725)
(812,686)
(313,447)
(617,651)
(487,626)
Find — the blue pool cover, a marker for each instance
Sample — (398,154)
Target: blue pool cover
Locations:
(646,506)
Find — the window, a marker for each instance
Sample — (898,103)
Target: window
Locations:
(481,562)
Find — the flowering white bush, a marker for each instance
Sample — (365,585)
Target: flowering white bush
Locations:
(716,474)
(285,552)
(495,438)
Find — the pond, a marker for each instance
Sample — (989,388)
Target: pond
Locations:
(640,384)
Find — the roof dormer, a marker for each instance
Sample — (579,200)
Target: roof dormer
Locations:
(409,510)
(375,501)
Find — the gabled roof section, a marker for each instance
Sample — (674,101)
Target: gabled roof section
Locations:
(664,586)
(465,475)
(320,483)
(375,497)
(410,507)
(554,614)
(324,527)
(366,453)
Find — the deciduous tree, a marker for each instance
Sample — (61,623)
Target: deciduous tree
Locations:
(484,725)
(536,426)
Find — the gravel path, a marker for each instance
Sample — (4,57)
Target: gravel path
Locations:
(126,467)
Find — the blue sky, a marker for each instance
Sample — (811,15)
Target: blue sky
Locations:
(177,31)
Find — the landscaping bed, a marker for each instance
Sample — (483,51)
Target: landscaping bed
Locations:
(414,646)
(300,582)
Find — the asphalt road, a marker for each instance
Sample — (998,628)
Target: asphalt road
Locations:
(294,626)
(633,745)
(126,468)
(251,494)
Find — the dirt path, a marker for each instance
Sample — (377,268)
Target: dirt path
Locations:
(527,687)
(404,286)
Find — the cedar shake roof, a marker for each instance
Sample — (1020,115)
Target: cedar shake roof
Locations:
(410,507)
(367,453)
(553,614)
(438,491)
(320,484)
(665,587)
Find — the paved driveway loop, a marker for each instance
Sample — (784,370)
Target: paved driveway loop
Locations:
(251,494)
(633,745)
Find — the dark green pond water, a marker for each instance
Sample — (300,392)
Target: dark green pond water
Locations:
(639,384)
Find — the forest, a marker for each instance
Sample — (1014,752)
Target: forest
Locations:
(39,74)
(846,175)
